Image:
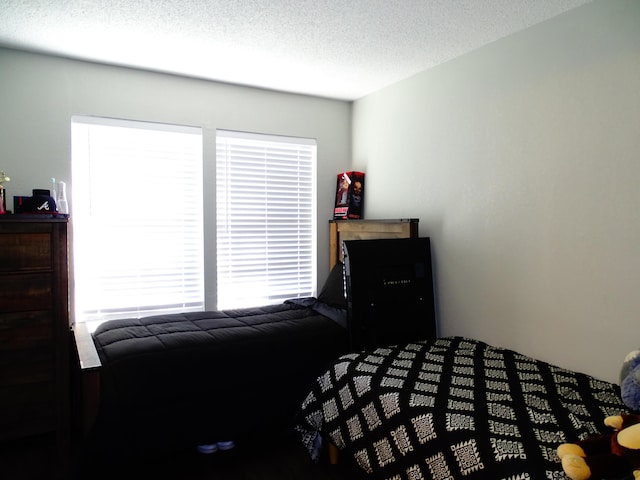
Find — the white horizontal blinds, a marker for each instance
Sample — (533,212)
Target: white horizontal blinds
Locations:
(265,197)
(137,218)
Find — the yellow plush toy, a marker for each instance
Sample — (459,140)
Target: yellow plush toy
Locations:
(605,456)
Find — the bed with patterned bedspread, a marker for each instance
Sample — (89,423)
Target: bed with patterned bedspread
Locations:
(454,408)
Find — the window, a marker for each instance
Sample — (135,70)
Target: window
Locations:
(137,218)
(266,228)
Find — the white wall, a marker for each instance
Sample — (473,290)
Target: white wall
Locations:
(39,94)
(522,161)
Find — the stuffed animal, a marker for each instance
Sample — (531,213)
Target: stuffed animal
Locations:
(630,381)
(611,455)
(605,456)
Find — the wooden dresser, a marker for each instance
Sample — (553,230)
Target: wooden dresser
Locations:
(34,328)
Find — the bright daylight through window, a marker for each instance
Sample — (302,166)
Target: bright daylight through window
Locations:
(137,219)
(266,222)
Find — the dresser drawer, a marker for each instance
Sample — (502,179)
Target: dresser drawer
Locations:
(27,409)
(25,251)
(25,292)
(26,330)
(26,367)
(27,393)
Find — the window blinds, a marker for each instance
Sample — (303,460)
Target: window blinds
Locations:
(266,228)
(137,218)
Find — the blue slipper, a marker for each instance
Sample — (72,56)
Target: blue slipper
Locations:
(207,449)
(222,446)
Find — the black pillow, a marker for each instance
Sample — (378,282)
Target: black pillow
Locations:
(332,292)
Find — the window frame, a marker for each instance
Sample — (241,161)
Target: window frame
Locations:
(173,219)
(252,154)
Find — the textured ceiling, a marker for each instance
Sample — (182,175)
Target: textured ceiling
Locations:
(340,49)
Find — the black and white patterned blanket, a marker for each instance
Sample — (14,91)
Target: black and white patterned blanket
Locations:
(454,408)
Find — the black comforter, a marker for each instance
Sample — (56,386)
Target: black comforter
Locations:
(454,408)
(194,378)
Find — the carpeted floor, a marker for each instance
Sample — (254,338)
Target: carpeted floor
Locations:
(259,457)
(263,457)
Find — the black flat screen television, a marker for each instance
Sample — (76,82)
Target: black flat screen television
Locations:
(389,289)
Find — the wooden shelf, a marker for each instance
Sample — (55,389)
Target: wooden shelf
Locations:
(342,230)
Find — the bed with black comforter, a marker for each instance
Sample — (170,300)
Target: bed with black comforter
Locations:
(454,408)
(181,380)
